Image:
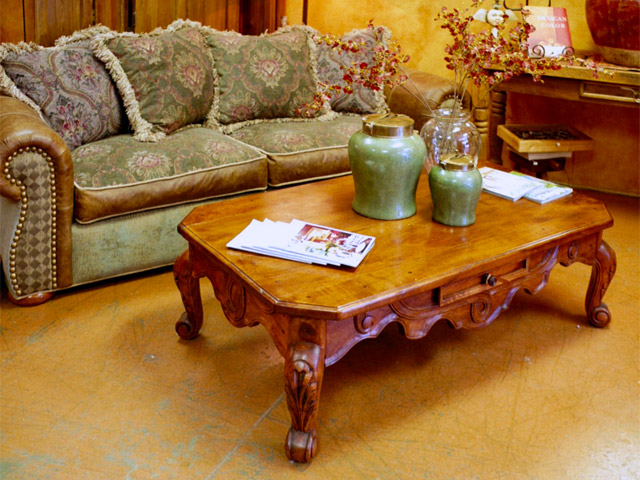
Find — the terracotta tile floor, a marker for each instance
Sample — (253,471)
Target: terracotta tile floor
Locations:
(96,385)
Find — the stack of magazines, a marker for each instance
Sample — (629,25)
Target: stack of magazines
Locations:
(516,185)
(303,242)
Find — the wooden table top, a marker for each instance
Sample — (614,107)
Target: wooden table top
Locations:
(610,73)
(410,256)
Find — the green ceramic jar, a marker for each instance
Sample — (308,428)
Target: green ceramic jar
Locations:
(386,159)
(455,190)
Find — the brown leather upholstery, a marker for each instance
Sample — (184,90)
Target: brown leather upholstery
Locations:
(435,91)
(305,166)
(98,204)
(21,128)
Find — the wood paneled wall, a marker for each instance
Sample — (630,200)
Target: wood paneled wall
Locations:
(11,20)
(42,21)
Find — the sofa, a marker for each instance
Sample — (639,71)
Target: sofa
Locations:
(108,140)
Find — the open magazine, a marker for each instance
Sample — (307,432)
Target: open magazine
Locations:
(303,242)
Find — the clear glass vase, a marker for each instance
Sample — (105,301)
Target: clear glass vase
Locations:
(450,135)
(453,145)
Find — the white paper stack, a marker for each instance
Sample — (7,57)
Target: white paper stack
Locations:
(545,191)
(303,242)
(504,184)
(516,185)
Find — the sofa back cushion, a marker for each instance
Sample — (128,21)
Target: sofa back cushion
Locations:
(165,77)
(262,78)
(67,85)
(363,100)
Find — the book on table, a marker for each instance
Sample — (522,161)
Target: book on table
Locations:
(516,185)
(551,36)
(303,242)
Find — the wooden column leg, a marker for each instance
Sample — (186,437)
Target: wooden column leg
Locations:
(190,322)
(603,270)
(303,370)
(481,118)
(496,117)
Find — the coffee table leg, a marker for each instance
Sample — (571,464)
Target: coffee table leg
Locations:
(603,270)
(303,370)
(190,322)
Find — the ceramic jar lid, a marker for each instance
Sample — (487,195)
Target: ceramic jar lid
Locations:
(460,163)
(387,125)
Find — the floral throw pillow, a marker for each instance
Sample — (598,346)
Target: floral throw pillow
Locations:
(165,77)
(67,85)
(262,78)
(362,100)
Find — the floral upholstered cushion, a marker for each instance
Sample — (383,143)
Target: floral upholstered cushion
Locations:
(305,150)
(300,137)
(261,78)
(119,175)
(362,100)
(165,77)
(67,85)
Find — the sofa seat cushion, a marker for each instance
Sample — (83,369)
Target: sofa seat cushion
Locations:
(298,152)
(119,175)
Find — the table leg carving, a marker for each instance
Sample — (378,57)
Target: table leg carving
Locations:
(239,308)
(603,270)
(189,324)
(303,370)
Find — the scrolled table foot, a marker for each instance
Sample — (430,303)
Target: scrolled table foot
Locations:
(602,272)
(600,316)
(190,322)
(300,446)
(186,329)
(303,371)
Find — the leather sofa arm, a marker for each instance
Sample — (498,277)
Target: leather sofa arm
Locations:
(36,197)
(436,90)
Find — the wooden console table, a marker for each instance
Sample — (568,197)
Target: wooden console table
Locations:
(620,87)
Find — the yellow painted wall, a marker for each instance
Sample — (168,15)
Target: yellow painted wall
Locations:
(412,23)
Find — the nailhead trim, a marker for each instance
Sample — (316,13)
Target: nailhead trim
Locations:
(23,215)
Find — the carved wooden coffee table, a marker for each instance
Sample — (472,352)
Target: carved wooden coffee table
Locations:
(417,273)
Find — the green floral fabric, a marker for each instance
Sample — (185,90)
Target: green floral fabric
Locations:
(362,100)
(265,77)
(170,73)
(70,86)
(120,160)
(300,137)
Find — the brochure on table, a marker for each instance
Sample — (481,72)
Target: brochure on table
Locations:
(545,191)
(516,185)
(303,242)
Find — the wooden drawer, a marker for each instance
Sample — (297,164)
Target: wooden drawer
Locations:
(496,277)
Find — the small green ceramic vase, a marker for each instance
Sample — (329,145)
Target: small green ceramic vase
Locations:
(455,190)
(386,159)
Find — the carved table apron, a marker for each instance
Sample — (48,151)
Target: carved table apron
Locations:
(311,335)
